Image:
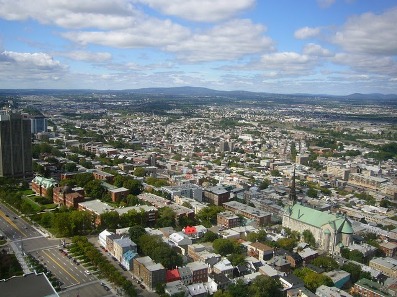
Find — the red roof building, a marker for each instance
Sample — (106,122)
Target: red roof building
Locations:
(172,275)
(190,230)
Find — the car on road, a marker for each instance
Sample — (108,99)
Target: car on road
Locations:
(142,286)
(87,272)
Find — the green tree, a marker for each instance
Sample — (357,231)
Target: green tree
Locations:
(236,259)
(308,237)
(311,279)
(265,286)
(223,246)
(239,289)
(70,167)
(264,184)
(259,236)
(94,189)
(312,193)
(355,271)
(275,172)
(110,220)
(209,236)
(136,232)
(139,172)
(166,217)
(208,215)
(134,186)
(326,263)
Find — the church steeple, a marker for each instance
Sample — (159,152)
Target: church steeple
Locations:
(292,192)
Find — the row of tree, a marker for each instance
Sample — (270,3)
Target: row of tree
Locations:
(82,246)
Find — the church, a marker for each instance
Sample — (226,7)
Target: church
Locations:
(331,231)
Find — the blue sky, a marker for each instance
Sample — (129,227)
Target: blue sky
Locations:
(281,46)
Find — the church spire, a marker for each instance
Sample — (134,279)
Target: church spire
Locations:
(292,192)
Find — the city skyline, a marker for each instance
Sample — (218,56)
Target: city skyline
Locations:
(332,47)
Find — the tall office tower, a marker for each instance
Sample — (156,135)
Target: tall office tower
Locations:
(15,146)
(38,124)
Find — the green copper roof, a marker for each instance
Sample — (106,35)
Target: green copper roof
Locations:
(319,218)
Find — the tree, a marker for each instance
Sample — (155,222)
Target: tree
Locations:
(209,236)
(208,214)
(286,243)
(313,280)
(110,220)
(259,236)
(275,172)
(326,263)
(355,271)
(94,189)
(166,217)
(236,259)
(223,246)
(70,167)
(134,186)
(312,193)
(265,286)
(136,232)
(264,184)
(308,237)
(139,172)
(238,289)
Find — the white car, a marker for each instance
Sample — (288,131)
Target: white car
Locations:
(87,272)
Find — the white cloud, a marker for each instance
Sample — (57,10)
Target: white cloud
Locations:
(230,40)
(88,56)
(370,34)
(202,10)
(40,60)
(312,49)
(147,33)
(287,63)
(364,64)
(29,67)
(306,32)
(103,14)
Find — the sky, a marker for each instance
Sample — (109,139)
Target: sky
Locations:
(333,47)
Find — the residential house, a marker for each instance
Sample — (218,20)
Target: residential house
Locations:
(128,259)
(121,246)
(149,272)
(199,272)
(224,267)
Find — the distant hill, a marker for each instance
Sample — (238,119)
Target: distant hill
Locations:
(199,91)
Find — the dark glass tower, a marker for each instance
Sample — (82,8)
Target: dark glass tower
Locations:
(15,146)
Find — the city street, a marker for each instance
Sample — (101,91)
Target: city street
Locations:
(26,239)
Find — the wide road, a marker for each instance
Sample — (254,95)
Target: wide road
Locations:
(32,240)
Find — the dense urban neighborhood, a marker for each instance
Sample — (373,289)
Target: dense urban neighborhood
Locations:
(196,192)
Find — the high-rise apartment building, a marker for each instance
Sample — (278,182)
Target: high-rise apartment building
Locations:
(38,124)
(15,146)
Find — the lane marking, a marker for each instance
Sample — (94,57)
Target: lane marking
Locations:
(61,267)
(11,223)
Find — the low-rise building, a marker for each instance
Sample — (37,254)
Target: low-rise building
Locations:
(224,267)
(262,218)
(338,277)
(149,272)
(121,246)
(366,287)
(68,196)
(389,248)
(216,195)
(199,272)
(42,185)
(260,251)
(227,219)
(128,259)
(324,291)
(387,265)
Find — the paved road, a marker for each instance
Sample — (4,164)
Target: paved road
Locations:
(25,238)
